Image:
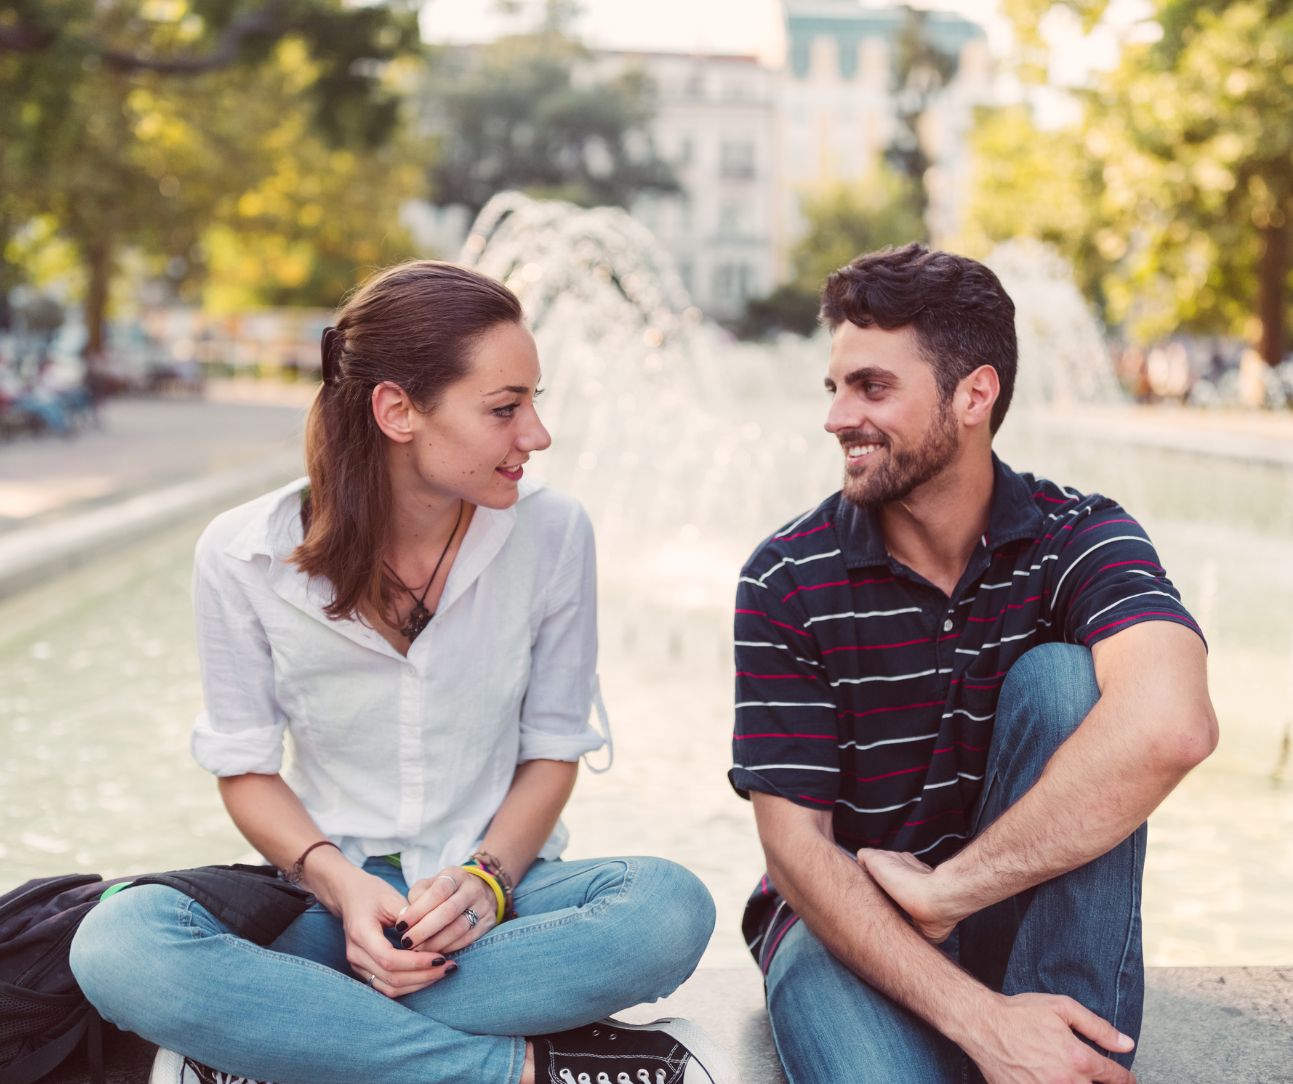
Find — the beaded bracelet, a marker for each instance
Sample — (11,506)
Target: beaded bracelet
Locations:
(494,868)
(495,887)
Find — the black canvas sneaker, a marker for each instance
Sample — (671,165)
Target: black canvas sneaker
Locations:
(172,1068)
(669,1051)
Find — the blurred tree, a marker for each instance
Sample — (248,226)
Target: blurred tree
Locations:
(1038,183)
(1188,177)
(126,122)
(841,222)
(920,71)
(529,111)
(297,226)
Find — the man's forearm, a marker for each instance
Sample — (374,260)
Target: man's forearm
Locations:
(1152,724)
(861,927)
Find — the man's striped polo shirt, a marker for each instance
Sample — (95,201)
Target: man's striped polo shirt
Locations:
(863,689)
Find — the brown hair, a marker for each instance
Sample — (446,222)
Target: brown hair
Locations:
(958,309)
(415,325)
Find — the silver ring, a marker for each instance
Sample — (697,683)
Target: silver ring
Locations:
(448,877)
(372,980)
(471,917)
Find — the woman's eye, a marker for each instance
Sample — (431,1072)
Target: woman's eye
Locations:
(505,411)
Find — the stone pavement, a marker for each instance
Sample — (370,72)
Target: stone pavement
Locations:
(149,463)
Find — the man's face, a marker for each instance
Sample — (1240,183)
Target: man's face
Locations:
(894,430)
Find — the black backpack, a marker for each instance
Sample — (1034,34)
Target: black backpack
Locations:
(43,1014)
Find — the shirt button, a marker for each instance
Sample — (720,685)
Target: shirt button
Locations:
(947,625)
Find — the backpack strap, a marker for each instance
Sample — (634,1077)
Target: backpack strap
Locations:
(43,1060)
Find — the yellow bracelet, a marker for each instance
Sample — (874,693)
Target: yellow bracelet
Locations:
(492,881)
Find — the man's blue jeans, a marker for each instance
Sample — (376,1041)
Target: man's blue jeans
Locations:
(1078,934)
(591,937)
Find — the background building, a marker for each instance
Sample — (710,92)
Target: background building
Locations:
(748,138)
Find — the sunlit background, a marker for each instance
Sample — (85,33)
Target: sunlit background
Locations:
(188,188)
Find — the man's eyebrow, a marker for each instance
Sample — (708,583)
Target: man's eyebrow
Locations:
(868,373)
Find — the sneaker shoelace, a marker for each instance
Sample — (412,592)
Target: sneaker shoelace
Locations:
(206,1075)
(641,1077)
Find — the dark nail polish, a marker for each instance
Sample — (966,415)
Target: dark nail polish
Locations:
(400,927)
(407,942)
(449,969)
(438,961)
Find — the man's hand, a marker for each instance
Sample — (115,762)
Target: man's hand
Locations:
(1030,1039)
(917,889)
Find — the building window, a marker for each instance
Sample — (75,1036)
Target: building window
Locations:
(736,159)
(684,213)
(724,282)
(731,220)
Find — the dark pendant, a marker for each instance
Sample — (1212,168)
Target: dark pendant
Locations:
(418,619)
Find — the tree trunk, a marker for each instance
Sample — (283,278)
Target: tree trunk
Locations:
(98,260)
(1272,273)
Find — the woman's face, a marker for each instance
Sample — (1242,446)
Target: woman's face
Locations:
(474,444)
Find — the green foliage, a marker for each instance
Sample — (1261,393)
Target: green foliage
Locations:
(523,112)
(138,125)
(842,222)
(1174,195)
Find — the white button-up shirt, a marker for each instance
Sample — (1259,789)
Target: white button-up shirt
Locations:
(392,754)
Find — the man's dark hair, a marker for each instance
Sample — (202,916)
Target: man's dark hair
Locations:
(958,309)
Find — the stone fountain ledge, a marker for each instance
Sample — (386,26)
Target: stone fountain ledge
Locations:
(1203,1025)
(1252,436)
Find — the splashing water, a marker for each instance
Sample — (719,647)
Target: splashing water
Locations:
(686,446)
(1062,356)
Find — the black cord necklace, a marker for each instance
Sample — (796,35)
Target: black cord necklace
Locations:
(419,617)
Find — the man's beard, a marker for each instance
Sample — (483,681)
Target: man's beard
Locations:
(902,470)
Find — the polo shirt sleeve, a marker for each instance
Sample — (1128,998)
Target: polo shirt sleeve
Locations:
(786,737)
(1109,578)
(240,729)
(563,659)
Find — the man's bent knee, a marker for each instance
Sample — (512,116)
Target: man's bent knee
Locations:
(1052,687)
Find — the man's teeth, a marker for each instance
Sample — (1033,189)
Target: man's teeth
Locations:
(857,451)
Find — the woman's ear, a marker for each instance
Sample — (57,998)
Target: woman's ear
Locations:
(393,411)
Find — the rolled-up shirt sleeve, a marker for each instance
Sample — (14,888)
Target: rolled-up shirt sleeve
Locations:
(240,729)
(562,689)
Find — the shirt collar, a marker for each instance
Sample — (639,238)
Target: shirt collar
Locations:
(276,530)
(1012,515)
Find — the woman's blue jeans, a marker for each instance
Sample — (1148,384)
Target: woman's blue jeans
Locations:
(590,938)
(1078,934)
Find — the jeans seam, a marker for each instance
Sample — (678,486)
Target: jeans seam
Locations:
(1131,926)
(776,1043)
(501,935)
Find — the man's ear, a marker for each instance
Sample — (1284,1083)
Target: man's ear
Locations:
(393,411)
(977,393)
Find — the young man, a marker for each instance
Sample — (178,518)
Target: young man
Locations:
(960,693)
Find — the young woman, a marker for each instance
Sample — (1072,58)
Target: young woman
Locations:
(420,622)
